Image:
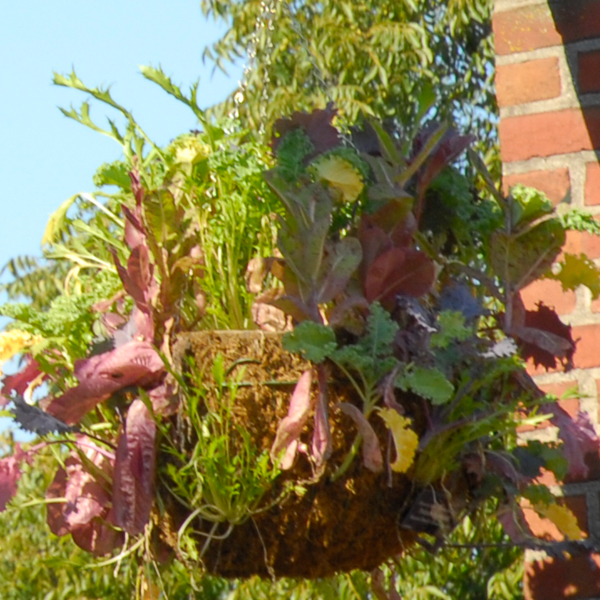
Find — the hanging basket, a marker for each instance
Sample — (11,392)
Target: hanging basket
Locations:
(321,526)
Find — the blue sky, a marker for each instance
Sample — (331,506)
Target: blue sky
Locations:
(45,157)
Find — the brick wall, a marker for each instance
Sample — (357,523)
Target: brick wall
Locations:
(548,88)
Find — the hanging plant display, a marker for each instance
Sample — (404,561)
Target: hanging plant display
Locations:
(373,401)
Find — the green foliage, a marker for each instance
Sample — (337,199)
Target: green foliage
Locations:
(68,324)
(36,565)
(574,271)
(452,327)
(368,57)
(370,357)
(313,341)
(429,383)
(224,478)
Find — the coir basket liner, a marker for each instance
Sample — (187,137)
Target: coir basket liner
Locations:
(353,522)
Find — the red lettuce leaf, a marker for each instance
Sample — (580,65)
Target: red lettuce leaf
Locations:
(135,465)
(579,440)
(398,271)
(83,499)
(20,381)
(371,449)
(291,426)
(317,125)
(135,363)
(10,473)
(322,444)
(98,537)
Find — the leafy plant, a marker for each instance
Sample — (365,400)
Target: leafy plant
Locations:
(421,318)
(224,477)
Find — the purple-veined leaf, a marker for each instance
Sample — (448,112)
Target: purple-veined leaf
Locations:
(80,494)
(135,363)
(10,473)
(342,260)
(317,126)
(514,523)
(321,443)
(579,439)
(291,426)
(399,271)
(371,449)
(135,465)
(98,537)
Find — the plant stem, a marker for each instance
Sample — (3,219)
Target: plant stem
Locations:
(348,458)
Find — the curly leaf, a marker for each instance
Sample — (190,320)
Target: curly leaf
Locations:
(341,175)
(452,328)
(313,341)
(405,439)
(429,383)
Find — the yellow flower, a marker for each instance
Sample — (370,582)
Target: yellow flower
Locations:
(191,150)
(13,341)
(341,175)
(563,518)
(405,439)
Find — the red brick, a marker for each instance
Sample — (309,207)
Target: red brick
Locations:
(576,19)
(555,184)
(592,184)
(587,353)
(579,242)
(578,506)
(575,577)
(589,71)
(527,82)
(550,133)
(524,29)
(551,293)
(534,27)
(595,306)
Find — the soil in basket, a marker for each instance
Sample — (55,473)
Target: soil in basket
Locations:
(352,523)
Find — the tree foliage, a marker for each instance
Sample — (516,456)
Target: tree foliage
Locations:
(385,58)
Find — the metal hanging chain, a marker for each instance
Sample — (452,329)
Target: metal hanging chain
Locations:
(263,29)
